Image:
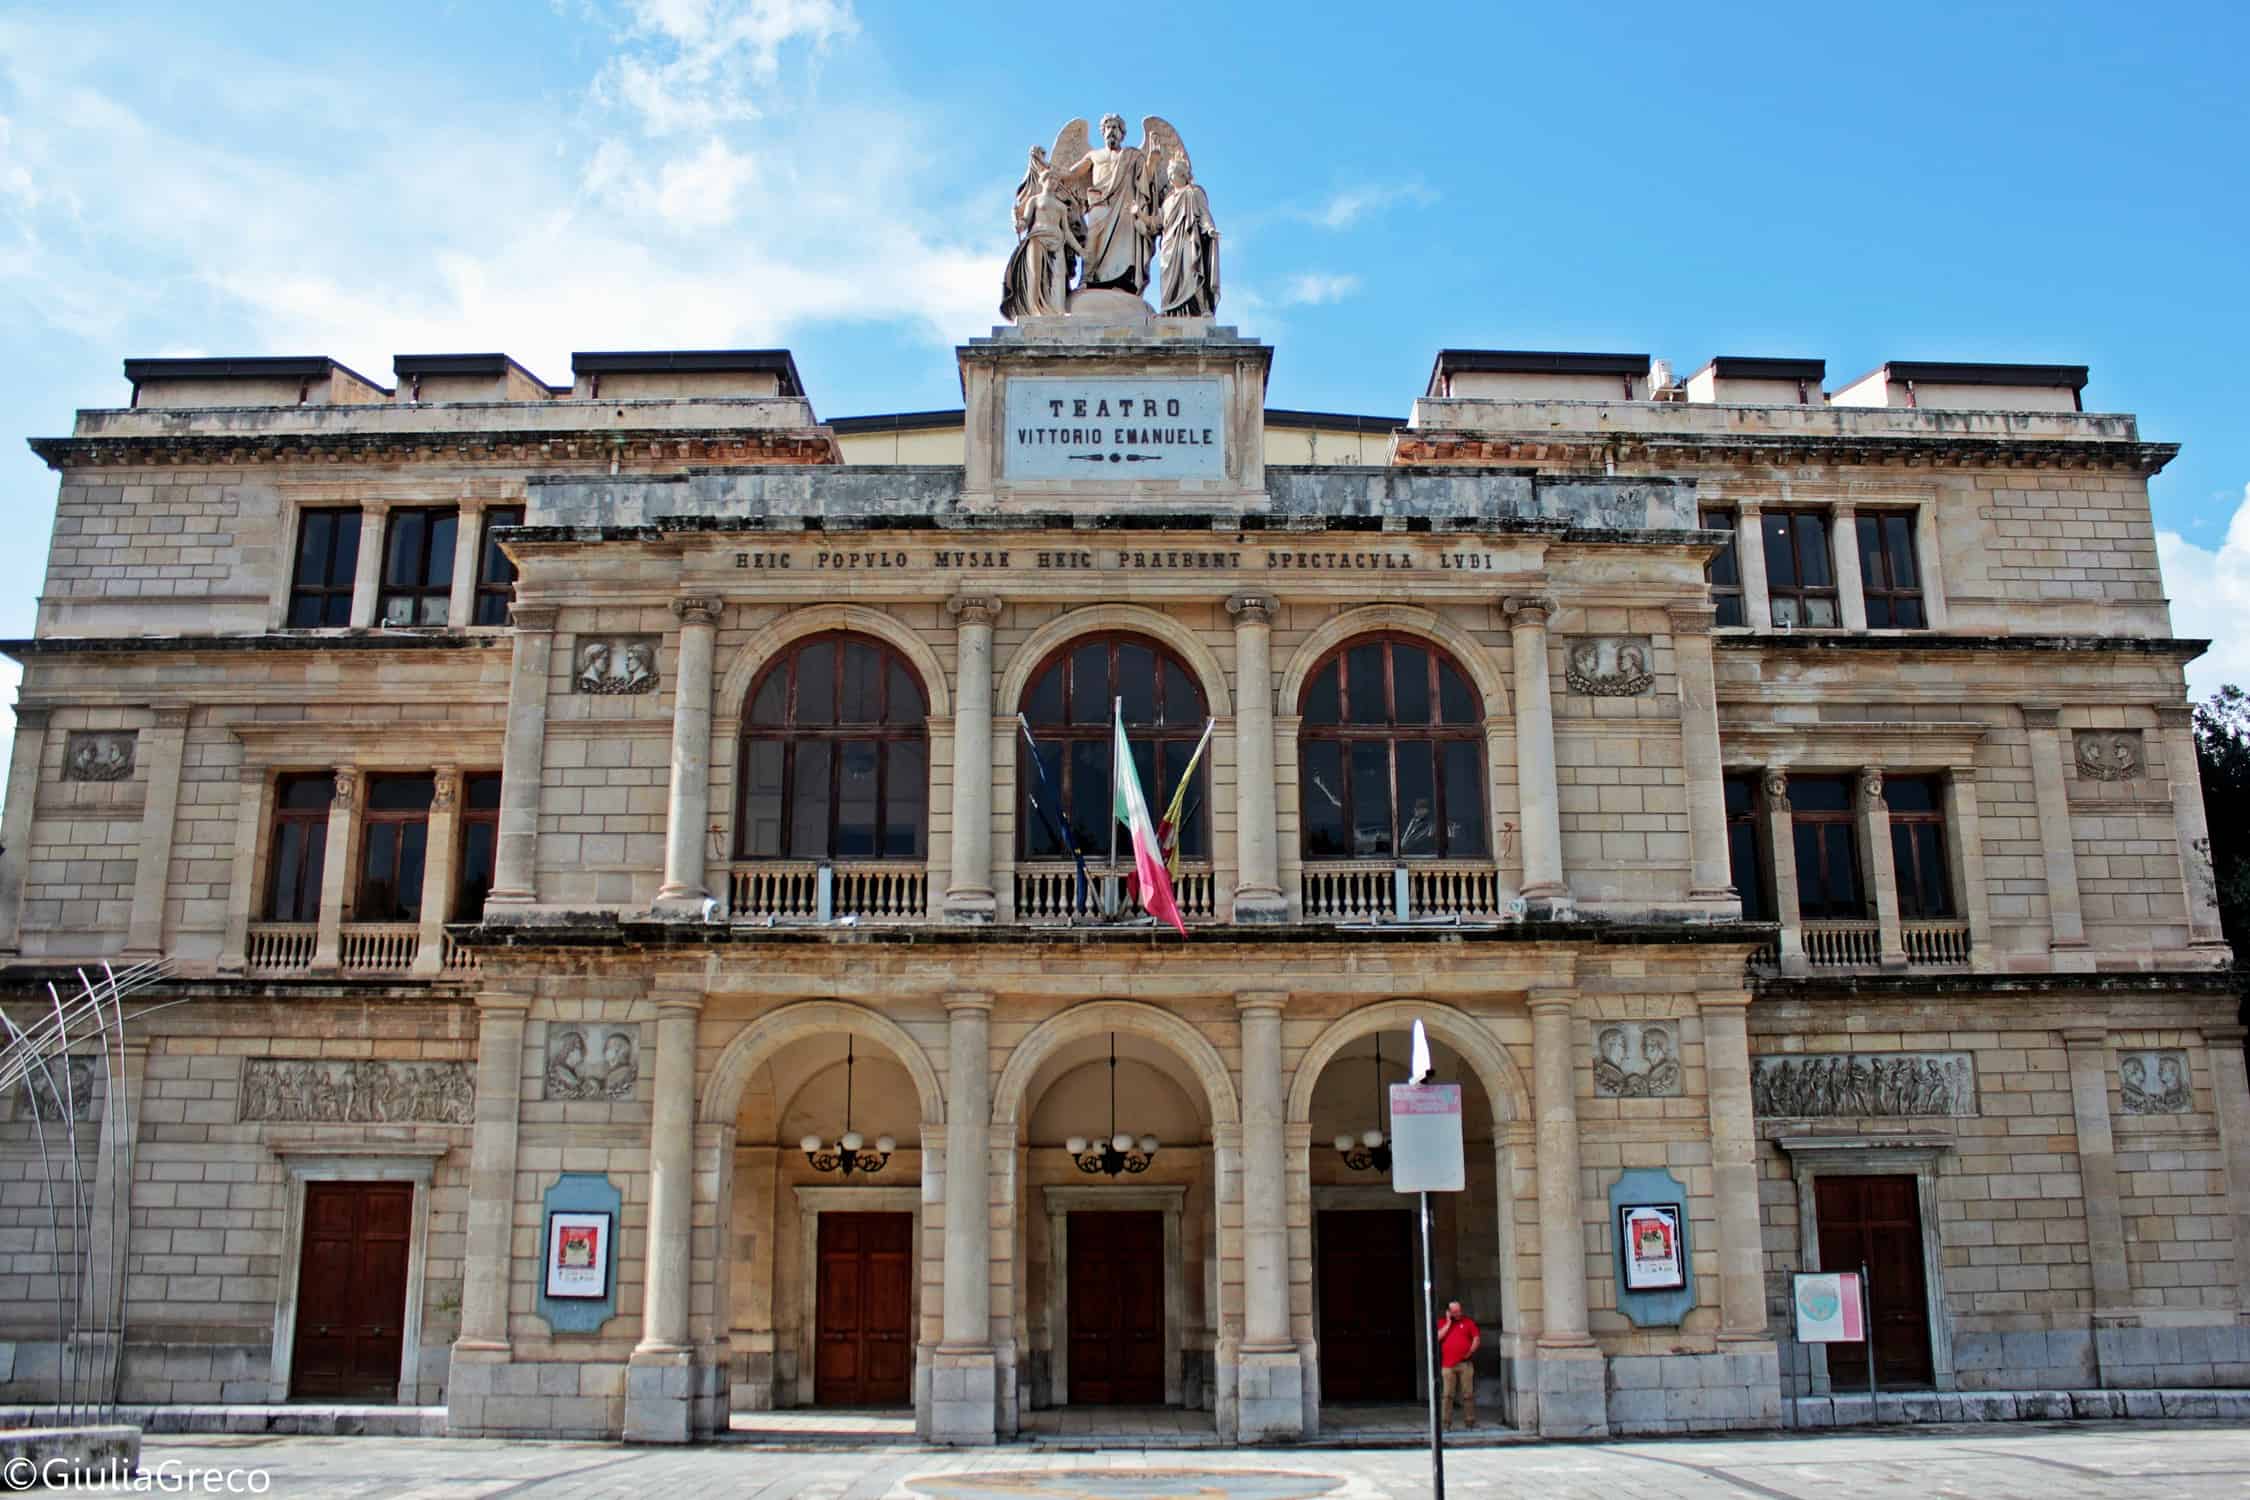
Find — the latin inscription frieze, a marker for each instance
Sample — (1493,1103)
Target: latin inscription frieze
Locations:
(943,560)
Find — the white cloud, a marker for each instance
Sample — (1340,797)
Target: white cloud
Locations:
(2210,592)
(692,65)
(1348,206)
(1313,288)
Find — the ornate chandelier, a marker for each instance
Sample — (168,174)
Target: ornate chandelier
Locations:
(1369,1149)
(846,1156)
(1120,1152)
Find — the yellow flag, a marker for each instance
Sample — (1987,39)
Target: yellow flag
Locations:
(1168,831)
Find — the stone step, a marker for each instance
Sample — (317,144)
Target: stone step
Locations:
(1908,1408)
(308,1419)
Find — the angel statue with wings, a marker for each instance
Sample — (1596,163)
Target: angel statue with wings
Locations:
(1117,202)
(1049,241)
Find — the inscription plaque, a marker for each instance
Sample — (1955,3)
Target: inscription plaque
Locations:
(1060,427)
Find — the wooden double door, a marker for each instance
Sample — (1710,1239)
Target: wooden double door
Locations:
(1369,1286)
(1876,1222)
(351,1290)
(1115,1309)
(863,1343)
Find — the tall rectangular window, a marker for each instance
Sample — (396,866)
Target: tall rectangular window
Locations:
(394,844)
(1724,570)
(300,847)
(1800,577)
(1889,576)
(1925,886)
(1827,843)
(480,843)
(418,567)
(496,576)
(1743,844)
(320,586)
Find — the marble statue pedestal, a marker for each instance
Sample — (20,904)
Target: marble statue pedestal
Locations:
(1110,305)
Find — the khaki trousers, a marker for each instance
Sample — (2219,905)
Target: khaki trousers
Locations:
(1458,1381)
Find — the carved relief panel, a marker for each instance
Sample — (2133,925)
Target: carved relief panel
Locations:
(1820,1085)
(98,755)
(285,1089)
(2108,754)
(2154,1083)
(587,1061)
(66,1087)
(1609,666)
(1636,1060)
(614,664)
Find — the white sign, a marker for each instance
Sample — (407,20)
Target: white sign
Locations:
(1063,427)
(1426,1138)
(1649,1234)
(1829,1307)
(578,1253)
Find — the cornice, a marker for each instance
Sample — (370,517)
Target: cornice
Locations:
(505,447)
(1917,642)
(22,649)
(1855,744)
(1442,446)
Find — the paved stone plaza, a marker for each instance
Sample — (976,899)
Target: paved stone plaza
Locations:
(2176,1460)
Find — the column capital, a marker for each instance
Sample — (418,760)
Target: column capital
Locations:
(375,507)
(2175,715)
(446,788)
(347,786)
(1692,619)
(673,1004)
(2041,718)
(1774,782)
(698,609)
(2085,1036)
(1871,787)
(252,773)
(1528,609)
(1749,507)
(1547,1000)
(973,609)
(1261,1002)
(1844,510)
(1723,1000)
(33,717)
(503,1004)
(170,715)
(2229,1036)
(957,1001)
(533,617)
(1251,609)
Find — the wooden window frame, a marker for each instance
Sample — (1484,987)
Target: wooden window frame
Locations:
(331,597)
(1847,819)
(1758,904)
(885,732)
(1912,879)
(1727,598)
(1345,734)
(472,816)
(1058,737)
(372,818)
(1799,593)
(1878,581)
(436,582)
(490,603)
(315,820)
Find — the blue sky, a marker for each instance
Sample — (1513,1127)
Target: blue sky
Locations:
(2055,182)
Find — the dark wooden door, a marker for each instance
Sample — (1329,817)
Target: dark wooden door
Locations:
(863,1352)
(1116,1310)
(1877,1222)
(1368,1284)
(351,1290)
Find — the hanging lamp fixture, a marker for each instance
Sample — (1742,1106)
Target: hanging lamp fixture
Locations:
(1370,1149)
(1120,1152)
(846,1156)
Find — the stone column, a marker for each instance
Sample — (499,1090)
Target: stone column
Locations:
(487,1256)
(1572,1399)
(1965,837)
(1710,874)
(1270,1386)
(659,1386)
(2087,1048)
(468,536)
(968,893)
(242,884)
(2176,732)
(1874,815)
(367,574)
(1750,555)
(1257,889)
(1781,849)
(443,848)
(1734,1166)
(1851,588)
(2230,1091)
(1535,751)
(964,1399)
(688,816)
(2066,922)
(15,821)
(159,751)
(515,865)
(337,859)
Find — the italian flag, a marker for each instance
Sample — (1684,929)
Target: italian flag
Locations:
(1131,809)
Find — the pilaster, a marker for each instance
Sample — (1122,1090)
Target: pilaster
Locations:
(256,786)
(1257,893)
(1851,586)
(1965,836)
(2087,1050)
(2230,1090)
(338,856)
(367,571)
(1535,751)
(1734,1165)
(161,747)
(1781,849)
(468,543)
(969,895)
(660,1380)
(2176,733)
(2066,921)
(515,872)
(1710,876)
(1573,1397)
(443,849)
(1750,555)
(15,821)
(1874,815)
(1269,1387)
(688,813)
(964,1397)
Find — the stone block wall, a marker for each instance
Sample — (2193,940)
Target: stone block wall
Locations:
(151,537)
(1618,772)
(2064,536)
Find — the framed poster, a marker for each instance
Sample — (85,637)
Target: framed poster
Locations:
(1648,1237)
(578,1255)
(1829,1307)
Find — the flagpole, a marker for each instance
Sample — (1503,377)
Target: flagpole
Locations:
(1109,880)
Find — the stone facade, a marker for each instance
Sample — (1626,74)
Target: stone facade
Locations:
(1523,725)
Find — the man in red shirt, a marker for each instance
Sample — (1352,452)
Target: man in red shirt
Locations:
(1457,1340)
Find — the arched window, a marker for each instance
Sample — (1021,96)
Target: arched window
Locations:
(1068,704)
(1392,748)
(835,755)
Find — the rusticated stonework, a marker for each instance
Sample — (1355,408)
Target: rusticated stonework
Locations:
(1820,1085)
(2154,1083)
(1636,1060)
(357,1093)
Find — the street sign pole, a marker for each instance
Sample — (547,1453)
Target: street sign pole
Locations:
(1436,1373)
(1867,1317)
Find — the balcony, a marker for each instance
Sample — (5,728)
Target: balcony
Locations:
(1936,944)
(811,891)
(281,950)
(1843,945)
(1368,891)
(1047,893)
(380,947)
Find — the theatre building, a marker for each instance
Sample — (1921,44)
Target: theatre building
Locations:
(628,973)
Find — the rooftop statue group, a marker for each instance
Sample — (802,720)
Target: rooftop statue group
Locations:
(1093,217)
